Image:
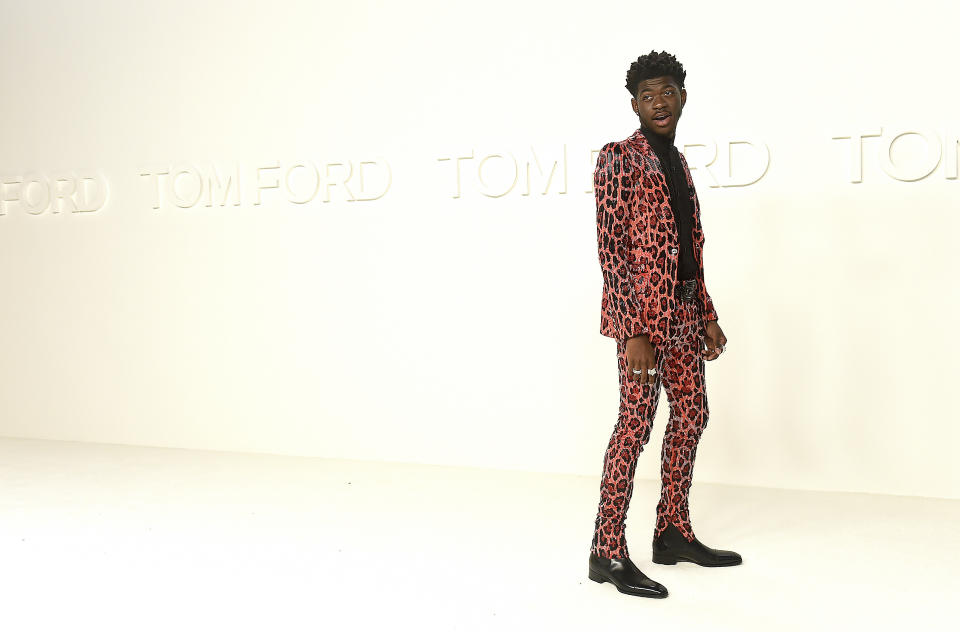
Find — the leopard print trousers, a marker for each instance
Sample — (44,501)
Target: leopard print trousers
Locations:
(680,368)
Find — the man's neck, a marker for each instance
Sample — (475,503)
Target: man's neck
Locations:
(665,141)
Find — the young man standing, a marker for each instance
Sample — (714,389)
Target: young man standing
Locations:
(656,305)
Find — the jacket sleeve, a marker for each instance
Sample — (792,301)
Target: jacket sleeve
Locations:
(612,183)
(709,311)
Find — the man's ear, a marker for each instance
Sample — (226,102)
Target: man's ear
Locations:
(683,97)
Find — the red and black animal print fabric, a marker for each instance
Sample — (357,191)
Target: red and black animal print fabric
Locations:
(637,241)
(638,245)
(680,369)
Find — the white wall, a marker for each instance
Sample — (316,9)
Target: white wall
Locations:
(415,325)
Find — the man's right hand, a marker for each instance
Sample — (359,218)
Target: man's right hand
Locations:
(640,356)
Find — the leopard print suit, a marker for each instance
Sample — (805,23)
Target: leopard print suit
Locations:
(638,245)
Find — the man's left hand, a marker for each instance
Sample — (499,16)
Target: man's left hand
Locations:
(714,339)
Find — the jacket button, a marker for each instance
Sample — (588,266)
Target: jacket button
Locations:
(673,251)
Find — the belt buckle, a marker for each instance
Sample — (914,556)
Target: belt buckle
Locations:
(688,289)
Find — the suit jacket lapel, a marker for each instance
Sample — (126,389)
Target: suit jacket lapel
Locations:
(652,169)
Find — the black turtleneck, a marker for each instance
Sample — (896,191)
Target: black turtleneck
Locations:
(680,200)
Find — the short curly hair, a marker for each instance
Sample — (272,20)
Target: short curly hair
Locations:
(651,65)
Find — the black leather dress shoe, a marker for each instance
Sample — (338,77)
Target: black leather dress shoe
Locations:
(624,574)
(671,547)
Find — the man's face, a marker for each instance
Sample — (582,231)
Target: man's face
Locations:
(658,103)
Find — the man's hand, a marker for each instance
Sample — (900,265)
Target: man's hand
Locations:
(714,339)
(640,356)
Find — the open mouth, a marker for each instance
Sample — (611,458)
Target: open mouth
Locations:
(662,120)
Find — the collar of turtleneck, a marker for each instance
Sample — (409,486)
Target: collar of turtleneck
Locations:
(660,143)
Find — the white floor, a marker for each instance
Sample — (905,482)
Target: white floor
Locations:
(110,537)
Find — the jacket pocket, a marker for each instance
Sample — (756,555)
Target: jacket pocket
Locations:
(640,275)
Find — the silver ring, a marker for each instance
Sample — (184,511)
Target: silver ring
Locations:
(651,371)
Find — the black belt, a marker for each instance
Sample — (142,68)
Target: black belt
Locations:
(686,290)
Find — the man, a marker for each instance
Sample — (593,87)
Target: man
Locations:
(656,305)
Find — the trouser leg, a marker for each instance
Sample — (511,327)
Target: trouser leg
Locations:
(638,404)
(683,378)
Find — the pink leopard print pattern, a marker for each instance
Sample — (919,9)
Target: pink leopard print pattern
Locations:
(680,368)
(636,240)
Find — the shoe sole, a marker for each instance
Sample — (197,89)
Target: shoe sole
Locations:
(668,558)
(597,577)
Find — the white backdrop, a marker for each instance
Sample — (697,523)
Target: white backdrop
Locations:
(366,230)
